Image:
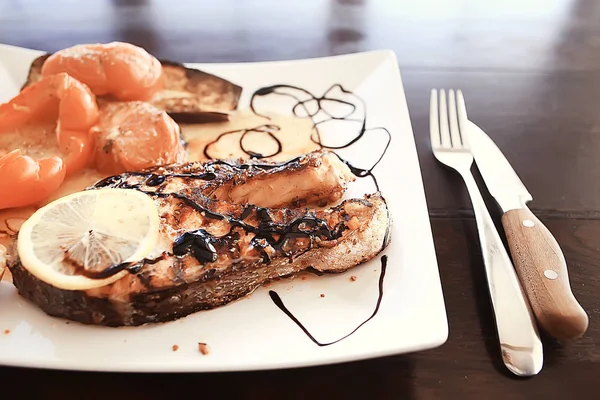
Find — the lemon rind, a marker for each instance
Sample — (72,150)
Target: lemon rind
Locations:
(50,276)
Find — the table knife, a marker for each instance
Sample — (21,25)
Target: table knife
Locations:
(537,256)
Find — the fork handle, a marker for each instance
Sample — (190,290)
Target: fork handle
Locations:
(542,268)
(518,335)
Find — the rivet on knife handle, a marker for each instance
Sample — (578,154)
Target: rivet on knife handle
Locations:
(542,269)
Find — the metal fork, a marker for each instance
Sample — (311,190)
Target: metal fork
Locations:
(520,343)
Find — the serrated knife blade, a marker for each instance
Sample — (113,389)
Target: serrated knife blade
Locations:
(537,257)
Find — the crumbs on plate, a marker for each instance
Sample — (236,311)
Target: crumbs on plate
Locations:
(203,348)
(6,331)
(175,347)
(322,294)
(353,278)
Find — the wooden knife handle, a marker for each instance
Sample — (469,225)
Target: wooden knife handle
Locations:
(542,270)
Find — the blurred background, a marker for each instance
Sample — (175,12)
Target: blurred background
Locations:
(510,34)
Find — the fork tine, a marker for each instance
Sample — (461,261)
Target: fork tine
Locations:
(462,118)
(434,127)
(444,132)
(454,132)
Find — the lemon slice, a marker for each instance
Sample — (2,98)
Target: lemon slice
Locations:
(88,231)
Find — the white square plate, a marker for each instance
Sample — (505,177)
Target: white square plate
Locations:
(252,333)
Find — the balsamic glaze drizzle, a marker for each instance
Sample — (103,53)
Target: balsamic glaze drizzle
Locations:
(302,108)
(133,267)
(279,303)
(266,128)
(201,244)
(304,105)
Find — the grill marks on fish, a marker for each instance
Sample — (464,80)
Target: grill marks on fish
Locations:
(193,203)
(317,178)
(234,234)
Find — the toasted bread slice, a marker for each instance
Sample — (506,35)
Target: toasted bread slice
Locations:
(189,95)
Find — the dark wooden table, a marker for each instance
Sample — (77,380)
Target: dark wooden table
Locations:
(531,74)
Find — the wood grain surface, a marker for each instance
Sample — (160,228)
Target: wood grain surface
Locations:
(530,72)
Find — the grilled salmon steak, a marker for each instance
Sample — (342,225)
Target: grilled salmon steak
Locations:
(226,228)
